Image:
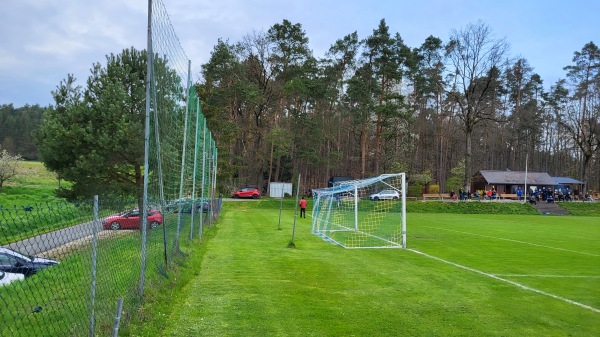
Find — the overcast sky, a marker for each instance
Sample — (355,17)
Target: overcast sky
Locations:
(41,41)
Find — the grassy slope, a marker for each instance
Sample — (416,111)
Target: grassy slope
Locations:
(32,185)
(250,284)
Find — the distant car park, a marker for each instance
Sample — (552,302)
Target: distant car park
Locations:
(14,262)
(131,220)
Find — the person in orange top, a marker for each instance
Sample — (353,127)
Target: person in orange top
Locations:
(302,204)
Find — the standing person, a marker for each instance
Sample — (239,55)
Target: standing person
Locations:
(519,193)
(302,204)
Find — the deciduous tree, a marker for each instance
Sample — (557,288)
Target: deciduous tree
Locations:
(8,165)
(476,57)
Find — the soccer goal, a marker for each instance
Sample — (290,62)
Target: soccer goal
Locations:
(366,213)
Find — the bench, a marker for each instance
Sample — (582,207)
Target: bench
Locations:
(436,196)
(509,196)
(430,195)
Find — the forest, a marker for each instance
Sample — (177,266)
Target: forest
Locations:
(440,111)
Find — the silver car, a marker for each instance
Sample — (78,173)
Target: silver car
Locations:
(385,195)
(8,278)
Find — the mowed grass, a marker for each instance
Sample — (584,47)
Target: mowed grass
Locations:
(463,275)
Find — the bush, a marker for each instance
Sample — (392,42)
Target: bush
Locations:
(470,207)
(415,190)
(434,188)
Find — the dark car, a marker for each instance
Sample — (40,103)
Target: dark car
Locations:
(186,206)
(200,206)
(247,192)
(131,220)
(15,262)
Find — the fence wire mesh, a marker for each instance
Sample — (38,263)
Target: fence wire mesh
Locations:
(65,268)
(74,266)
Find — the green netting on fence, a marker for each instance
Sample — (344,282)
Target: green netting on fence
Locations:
(64,267)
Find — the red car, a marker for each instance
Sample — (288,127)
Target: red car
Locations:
(247,192)
(131,220)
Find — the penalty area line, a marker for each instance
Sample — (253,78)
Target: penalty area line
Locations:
(519,285)
(511,240)
(547,276)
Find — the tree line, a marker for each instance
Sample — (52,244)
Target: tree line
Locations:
(440,111)
(16,129)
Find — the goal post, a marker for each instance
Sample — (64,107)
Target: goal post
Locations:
(365,213)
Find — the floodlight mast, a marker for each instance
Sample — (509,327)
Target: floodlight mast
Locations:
(525,191)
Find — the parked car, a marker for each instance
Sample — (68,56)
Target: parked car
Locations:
(385,195)
(186,206)
(8,278)
(203,207)
(131,220)
(15,262)
(247,192)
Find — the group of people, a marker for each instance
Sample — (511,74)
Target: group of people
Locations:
(462,195)
(533,195)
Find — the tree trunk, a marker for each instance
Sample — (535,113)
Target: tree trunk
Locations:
(363,152)
(270,166)
(468,160)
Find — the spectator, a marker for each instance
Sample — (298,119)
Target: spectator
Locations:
(302,204)
(519,193)
(532,200)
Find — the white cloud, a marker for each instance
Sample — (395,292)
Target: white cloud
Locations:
(41,41)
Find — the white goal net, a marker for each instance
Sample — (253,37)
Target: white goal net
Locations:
(366,213)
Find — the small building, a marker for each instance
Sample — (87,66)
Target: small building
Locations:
(564,183)
(336,179)
(510,181)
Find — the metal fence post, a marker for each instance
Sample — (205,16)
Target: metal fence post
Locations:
(118,317)
(95,223)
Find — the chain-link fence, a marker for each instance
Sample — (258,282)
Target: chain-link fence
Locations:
(77,269)
(80,269)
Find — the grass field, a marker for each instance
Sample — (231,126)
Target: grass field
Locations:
(486,273)
(463,275)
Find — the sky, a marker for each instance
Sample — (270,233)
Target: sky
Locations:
(42,41)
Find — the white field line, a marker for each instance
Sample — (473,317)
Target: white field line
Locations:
(519,285)
(517,241)
(547,276)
